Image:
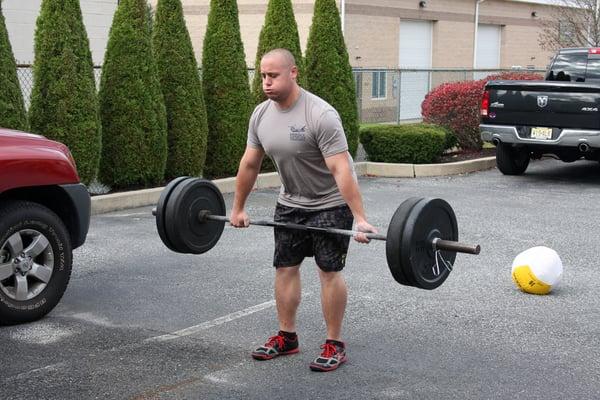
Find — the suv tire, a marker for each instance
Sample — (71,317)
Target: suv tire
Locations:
(511,160)
(35,261)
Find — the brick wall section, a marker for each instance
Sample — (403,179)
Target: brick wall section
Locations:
(252,17)
(519,45)
(453,29)
(370,41)
(372,29)
(452,44)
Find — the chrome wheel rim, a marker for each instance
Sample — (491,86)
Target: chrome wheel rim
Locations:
(26,264)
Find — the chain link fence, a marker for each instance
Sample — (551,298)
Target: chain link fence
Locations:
(25,76)
(383,95)
(395,95)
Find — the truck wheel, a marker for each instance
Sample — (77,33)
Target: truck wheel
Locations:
(35,261)
(511,160)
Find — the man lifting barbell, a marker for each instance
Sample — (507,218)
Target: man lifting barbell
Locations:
(421,239)
(304,137)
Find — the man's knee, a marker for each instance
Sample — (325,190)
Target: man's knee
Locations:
(287,271)
(330,276)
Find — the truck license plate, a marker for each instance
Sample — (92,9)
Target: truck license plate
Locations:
(541,133)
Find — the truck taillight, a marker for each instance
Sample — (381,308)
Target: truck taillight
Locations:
(594,50)
(485,104)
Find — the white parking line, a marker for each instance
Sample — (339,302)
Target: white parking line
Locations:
(210,324)
(161,338)
(47,368)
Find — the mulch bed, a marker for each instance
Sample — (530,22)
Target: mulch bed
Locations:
(462,155)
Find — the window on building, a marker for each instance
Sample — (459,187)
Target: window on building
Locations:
(378,90)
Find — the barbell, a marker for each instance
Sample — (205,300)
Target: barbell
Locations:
(421,240)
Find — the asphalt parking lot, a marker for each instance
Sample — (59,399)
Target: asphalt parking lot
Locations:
(140,322)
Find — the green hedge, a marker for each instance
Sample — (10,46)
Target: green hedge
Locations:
(226,90)
(64,103)
(132,108)
(411,143)
(279,31)
(451,139)
(182,89)
(12,110)
(328,71)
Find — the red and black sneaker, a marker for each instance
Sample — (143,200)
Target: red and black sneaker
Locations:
(277,345)
(333,355)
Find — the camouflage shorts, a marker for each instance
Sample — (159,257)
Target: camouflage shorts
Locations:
(292,245)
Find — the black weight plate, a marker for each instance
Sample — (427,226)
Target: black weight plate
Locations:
(394,239)
(160,210)
(429,218)
(186,232)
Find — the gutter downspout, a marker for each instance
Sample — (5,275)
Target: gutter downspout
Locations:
(477,2)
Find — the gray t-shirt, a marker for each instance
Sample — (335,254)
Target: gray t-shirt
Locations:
(298,140)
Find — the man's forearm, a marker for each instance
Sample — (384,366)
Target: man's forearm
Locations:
(350,192)
(340,166)
(244,182)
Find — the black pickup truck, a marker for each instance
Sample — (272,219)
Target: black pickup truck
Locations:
(558,116)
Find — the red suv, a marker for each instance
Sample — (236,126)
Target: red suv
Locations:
(44,215)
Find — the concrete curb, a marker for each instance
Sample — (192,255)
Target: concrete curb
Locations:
(455,168)
(145,197)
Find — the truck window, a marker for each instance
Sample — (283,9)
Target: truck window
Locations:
(593,69)
(568,67)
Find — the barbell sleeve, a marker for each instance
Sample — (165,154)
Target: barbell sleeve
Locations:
(450,245)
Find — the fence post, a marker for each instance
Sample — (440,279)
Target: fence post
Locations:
(358,87)
(429,75)
(399,104)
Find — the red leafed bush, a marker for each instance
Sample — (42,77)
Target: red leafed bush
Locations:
(456,106)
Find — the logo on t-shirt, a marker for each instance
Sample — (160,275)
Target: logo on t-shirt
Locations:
(297,134)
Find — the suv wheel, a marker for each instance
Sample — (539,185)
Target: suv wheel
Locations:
(35,261)
(511,160)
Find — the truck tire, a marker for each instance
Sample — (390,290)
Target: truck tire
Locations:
(35,261)
(511,160)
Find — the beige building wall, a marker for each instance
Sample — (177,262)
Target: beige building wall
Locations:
(452,44)
(251,17)
(519,52)
(368,39)
(372,29)
(372,33)
(453,30)
(21,17)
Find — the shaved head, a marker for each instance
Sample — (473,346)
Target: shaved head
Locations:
(278,72)
(284,55)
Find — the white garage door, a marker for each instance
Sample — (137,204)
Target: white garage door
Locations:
(415,52)
(488,48)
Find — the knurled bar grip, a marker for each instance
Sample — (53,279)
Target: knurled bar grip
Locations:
(438,244)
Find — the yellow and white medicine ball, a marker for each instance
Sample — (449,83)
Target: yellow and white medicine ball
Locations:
(537,270)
